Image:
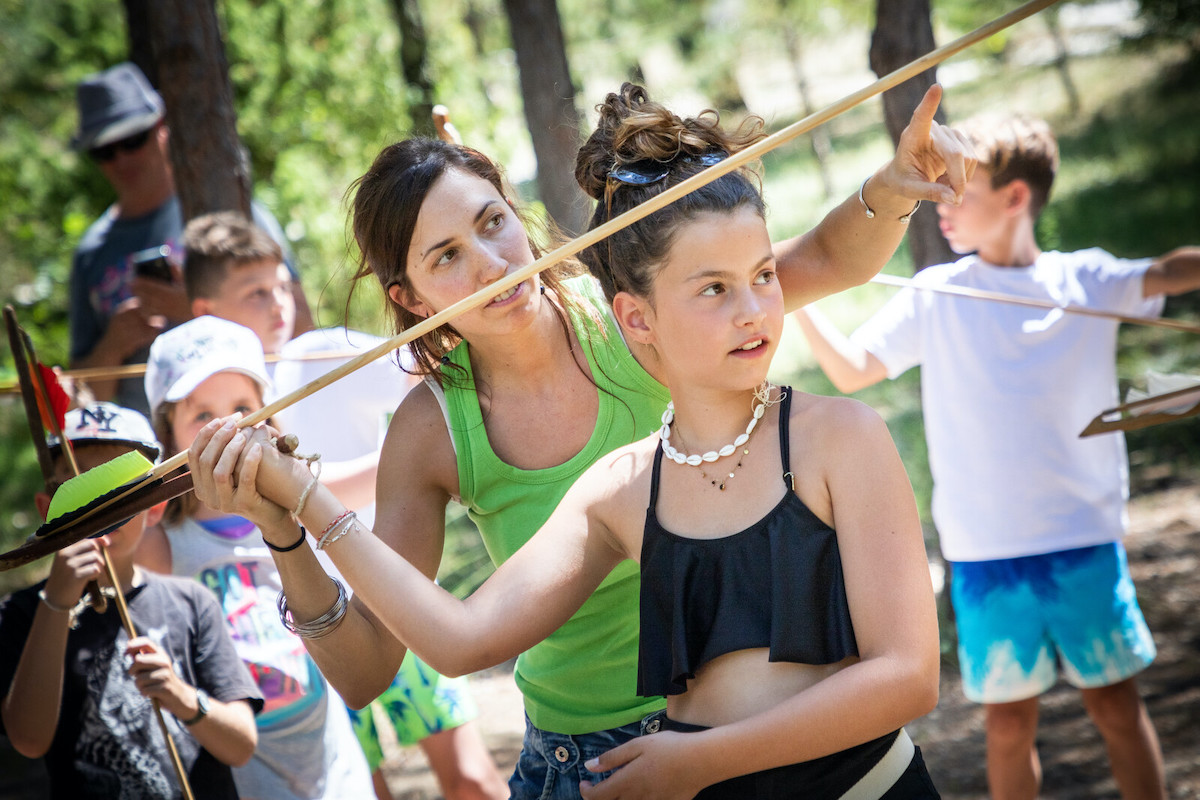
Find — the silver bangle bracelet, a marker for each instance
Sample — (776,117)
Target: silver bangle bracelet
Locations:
(72,612)
(50,604)
(322,625)
(871,212)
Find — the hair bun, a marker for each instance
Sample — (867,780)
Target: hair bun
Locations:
(633,128)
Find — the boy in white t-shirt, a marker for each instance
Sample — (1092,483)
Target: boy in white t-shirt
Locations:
(235,271)
(1029,515)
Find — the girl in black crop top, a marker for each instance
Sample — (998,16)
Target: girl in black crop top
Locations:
(786,610)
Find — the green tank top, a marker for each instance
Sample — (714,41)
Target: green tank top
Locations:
(583,677)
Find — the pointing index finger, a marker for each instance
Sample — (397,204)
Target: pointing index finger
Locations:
(922,118)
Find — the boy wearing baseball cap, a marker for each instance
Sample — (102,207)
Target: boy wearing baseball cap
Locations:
(77,690)
(211,367)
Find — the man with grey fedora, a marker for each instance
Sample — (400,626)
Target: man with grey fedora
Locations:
(116,311)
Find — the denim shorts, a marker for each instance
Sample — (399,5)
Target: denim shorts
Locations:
(1022,620)
(551,765)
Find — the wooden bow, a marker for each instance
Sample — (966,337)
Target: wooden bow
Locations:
(1166,407)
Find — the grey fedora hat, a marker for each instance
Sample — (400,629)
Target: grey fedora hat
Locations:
(114,104)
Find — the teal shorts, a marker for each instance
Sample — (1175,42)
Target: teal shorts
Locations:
(1022,620)
(418,704)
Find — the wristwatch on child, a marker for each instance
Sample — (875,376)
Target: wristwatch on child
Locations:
(201,707)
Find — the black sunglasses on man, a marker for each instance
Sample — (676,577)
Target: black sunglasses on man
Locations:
(129,144)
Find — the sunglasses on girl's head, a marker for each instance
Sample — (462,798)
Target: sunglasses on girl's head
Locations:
(130,143)
(642,173)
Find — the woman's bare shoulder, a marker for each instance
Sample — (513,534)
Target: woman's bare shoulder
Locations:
(613,481)
(628,465)
(418,439)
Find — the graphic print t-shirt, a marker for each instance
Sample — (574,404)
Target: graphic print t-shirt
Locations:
(108,743)
(232,561)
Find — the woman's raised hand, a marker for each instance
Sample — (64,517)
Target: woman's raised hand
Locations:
(932,162)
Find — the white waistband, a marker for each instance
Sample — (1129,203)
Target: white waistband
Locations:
(886,771)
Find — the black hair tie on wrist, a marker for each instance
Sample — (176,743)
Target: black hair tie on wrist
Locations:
(290,547)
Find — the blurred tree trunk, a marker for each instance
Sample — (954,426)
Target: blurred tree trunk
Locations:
(211,173)
(1062,56)
(549,98)
(141,51)
(903,32)
(819,137)
(414,65)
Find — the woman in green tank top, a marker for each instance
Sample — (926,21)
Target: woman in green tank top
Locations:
(524,394)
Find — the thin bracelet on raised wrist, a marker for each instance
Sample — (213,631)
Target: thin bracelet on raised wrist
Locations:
(871,212)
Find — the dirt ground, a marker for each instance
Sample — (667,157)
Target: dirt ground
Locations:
(1164,555)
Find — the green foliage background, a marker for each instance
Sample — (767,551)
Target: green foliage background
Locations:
(318,91)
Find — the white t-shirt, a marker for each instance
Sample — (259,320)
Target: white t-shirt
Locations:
(348,418)
(1006,390)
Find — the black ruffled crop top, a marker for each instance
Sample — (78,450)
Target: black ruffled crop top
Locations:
(777,584)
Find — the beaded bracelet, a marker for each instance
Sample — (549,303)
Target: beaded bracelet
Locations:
(871,212)
(322,625)
(337,529)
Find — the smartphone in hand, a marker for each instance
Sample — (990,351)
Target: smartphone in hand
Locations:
(153,263)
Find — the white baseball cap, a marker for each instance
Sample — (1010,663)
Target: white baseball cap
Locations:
(108,423)
(188,354)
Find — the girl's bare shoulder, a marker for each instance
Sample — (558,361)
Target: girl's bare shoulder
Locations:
(615,491)
(834,421)
(624,471)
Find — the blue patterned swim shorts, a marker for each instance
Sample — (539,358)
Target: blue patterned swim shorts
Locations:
(1022,619)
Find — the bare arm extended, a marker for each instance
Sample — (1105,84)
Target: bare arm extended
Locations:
(1176,272)
(416,475)
(528,597)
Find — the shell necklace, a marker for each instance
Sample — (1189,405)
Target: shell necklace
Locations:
(762,400)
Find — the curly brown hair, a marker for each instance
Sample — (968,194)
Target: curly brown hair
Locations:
(636,133)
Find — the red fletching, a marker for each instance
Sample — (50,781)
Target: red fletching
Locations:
(58,400)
